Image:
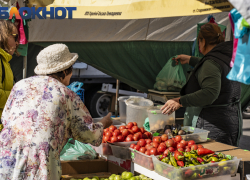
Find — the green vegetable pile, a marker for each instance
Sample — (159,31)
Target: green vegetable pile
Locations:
(184,165)
(124,176)
(188,159)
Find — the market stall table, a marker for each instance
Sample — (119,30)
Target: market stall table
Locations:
(155,176)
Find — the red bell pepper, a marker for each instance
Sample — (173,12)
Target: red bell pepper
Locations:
(180,163)
(204,151)
(199,159)
(188,173)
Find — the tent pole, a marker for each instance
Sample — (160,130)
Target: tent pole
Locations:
(116,97)
(24,67)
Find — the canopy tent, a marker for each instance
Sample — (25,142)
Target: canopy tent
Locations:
(140,9)
(124,49)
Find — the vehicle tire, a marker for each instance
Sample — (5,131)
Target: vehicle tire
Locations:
(246,113)
(99,105)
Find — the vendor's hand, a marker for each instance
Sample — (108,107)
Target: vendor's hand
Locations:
(184,59)
(107,121)
(170,106)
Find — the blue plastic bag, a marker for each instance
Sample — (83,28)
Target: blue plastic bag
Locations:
(76,87)
(241,69)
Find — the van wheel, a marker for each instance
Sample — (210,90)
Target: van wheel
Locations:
(99,105)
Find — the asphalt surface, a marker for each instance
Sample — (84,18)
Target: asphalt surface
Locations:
(245,138)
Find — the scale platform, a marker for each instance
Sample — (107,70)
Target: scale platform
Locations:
(161,96)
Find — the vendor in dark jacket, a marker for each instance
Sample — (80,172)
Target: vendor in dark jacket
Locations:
(212,101)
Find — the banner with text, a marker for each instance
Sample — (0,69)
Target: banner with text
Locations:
(139,9)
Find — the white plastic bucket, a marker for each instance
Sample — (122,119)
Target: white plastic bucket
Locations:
(137,110)
(123,106)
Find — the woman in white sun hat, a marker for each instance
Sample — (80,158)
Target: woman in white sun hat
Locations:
(40,116)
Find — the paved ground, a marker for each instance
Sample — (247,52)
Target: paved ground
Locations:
(245,138)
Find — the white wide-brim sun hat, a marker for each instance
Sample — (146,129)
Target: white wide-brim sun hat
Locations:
(54,58)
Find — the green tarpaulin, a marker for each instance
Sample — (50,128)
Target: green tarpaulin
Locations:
(134,63)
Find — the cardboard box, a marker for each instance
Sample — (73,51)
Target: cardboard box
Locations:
(126,164)
(244,166)
(89,168)
(217,146)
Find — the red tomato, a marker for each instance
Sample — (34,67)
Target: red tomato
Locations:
(153,151)
(142,143)
(106,130)
(135,124)
(181,149)
(188,149)
(106,138)
(112,128)
(110,134)
(164,144)
(144,136)
(176,154)
(128,139)
(180,145)
(194,147)
(161,148)
(125,132)
(148,134)
(103,141)
(184,142)
(130,125)
(142,130)
(148,141)
(135,138)
(178,138)
(147,153)
(140,135)
(190,143)
(114,139)
(164,137)
(166,152)
(116,133)
(155,144)
(171,149)
(142,149)
(117,130)
(170,143)
(135,129)
(122,127)
(137,147)
(120,138)
(132,146)
(200,146)
(130,131)
(130,135)
(148,146)
(157,140)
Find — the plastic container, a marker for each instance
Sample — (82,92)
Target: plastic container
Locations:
(202,171)
(125,144)
(157,120)
(103,149)
(137,110)
(121,152)
(142,159)
(123,106)
(198,135)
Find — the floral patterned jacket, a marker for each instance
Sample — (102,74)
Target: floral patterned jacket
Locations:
(40,115)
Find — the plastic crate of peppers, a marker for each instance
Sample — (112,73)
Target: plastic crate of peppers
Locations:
(196,164)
